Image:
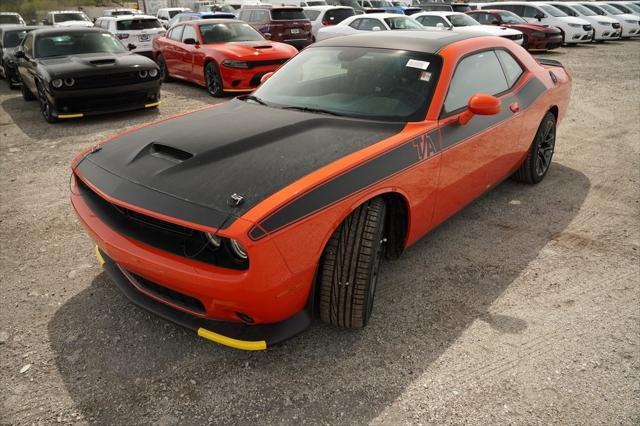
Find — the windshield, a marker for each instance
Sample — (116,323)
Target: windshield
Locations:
(371,83)
(222,8)
(553,11)
(633,7)
(173,13)
(402,23)
(583,10)
(380,3)
(138,24)
(621,8)
(317,3)
(223,33)
(462,20)
(13,38)
(10,19)
(510,17)
(610,9)
(76,43)
(287,14)
(64,17)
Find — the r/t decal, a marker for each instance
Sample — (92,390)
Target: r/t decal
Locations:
(425,147)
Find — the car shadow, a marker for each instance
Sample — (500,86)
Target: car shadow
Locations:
(122,365)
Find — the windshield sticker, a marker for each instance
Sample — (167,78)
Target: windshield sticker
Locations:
(414,63)
(425,76)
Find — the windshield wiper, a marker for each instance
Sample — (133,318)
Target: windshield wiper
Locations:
(254,98)
(314,110)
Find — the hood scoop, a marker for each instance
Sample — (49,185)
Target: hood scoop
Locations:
(263,46)
(103,62)
(169,153)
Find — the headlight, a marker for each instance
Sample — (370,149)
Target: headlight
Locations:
(69,81)
(538,34)
(57,83)
(214,240)
(235,64)
(631,22)
(238,249)
(143,74)
(153,73)
(575,25)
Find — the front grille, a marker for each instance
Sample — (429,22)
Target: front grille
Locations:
(163,235)
(513,37)
(587,27)
(256,64)
(101,102)
(616,25)
(107,80)
(161,292)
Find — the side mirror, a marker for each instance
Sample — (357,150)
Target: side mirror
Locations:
(191,41)
(540,16)
(376,29)
(266,77)
(495,22)
(440,26)
(131,46)
(19,54)
(480,104)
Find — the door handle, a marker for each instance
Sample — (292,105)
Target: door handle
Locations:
(514,107)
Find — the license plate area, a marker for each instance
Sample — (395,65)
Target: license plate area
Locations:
(295,31)
(143,37)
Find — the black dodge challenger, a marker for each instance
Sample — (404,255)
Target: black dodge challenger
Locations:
(75,72)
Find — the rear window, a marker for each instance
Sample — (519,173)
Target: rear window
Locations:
(173,13)
(338,15)
(137,24)
(9,19)
(287,14)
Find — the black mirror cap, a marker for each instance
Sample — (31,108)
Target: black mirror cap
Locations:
(190,41)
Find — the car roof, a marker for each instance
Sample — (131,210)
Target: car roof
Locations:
(123,17)
(66,11)
(214,21)
(57,30)
(426,41)
(20,27)
(438,13)
(382,15)
(9,13)
(325,7)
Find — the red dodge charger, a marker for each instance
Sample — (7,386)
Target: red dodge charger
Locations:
(224,55)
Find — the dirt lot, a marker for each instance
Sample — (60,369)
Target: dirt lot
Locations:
(524,308)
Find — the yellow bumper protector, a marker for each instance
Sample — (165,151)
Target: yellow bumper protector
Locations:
(70,115)
(238,90)
(99,257)
(245,345)
(152,104)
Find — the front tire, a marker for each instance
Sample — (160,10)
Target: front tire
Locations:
(27,95)
(538,161)
(349,267)
(45,106)
(213,80)
(164,70)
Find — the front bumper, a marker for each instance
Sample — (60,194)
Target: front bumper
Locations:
(238,336)
(244,80)
(551,42)
(85,102)
(578,36)
(606,33)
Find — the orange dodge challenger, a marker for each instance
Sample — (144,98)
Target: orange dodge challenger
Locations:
(245,220)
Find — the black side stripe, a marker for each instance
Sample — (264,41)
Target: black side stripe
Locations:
(390,163)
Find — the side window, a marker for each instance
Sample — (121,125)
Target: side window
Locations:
(478,73)
(369,24)
(512,68)
(189,32)
(531,12)
(432,21)
(260,16)
(244,15)
(176,33)
(355,23)
(517,9)
(483,18)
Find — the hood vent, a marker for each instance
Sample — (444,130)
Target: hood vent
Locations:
(169,153)
(103,62)
(263,46)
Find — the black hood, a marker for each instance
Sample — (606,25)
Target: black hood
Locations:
(95,63)
(190,166)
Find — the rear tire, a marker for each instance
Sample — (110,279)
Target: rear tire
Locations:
(538,161)
(164,70)
(349,267)
(213,80)
(27,95)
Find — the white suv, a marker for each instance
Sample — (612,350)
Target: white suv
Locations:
(166,13)
(574,30)
(134,30)
(604,27)
(67,18)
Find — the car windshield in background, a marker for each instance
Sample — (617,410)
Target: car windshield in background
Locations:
(462,20)
(222,8)
(621,8)
(9,19)
(173,13)
(228,32)
(64,17)
(369,83)
(380,3)
(121,13)
(76,43)
(610,9)
(583,10)
(13,38)
(510,17)
(402,23)
(338,15)
(316,3)
(553,11)
(138,24)
(287,14)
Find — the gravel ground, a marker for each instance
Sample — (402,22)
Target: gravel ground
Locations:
(521,309)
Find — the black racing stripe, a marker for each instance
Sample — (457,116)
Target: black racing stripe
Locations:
(392,162)
(348,183)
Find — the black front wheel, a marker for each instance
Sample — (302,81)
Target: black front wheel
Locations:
(213,80)
(45,106)
(536,165)
(164,70)
(27,95)
(349,267)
